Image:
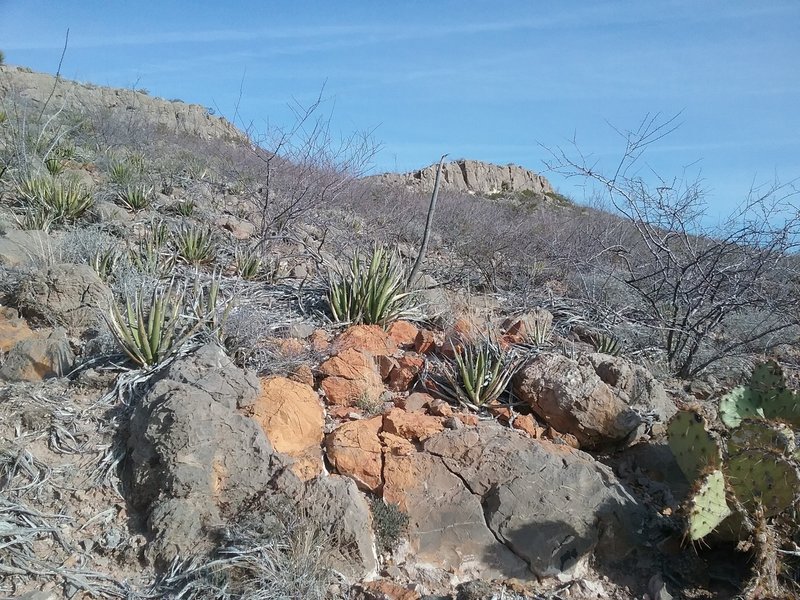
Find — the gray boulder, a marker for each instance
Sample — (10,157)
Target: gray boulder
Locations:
(552,506)
(45,353)
(20,248)
(571,397)
(70,295)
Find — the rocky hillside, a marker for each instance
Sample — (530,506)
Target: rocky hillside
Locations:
(169,116)
(210,391)
(473,176)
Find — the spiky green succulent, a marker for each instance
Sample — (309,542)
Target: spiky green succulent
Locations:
(708,505)
(370,290)
(765,397)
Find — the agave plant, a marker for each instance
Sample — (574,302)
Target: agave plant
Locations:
(371,291)
(247,264)
(476,376)
(135,197)
(195,245)
(150,330)
(210,309)
(54,165)
(104,262)
(606,344)
(148,255)
(36,218)
(185,208)
(64,200)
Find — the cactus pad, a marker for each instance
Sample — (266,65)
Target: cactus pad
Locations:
(768,435)
(707,506)
(784,406)
(759,476)
(767,381)
(741,403)
(695,448)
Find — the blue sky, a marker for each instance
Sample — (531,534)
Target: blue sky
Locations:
(489,80)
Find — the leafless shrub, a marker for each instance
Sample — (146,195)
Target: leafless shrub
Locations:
(695,282)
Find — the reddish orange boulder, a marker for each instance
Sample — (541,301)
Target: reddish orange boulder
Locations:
(425,342)
(365,338)
(403,333)
(350,376)
(293,419)
(411,426)
(354,450)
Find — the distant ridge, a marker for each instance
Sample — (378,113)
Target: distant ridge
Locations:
(169,116)
(473,176)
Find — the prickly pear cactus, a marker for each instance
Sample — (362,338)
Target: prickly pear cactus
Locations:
(695,448)
(766,397)
(741,403)
(707,506)
(763,478)
(769,435)
(784,406)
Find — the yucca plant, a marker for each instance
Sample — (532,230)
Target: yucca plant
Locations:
(185,208)
(247,264)
(122,171)
(149,254)
(606,344)
(104,262)
(54,165)
(476,376)
(539,332)
(195,245)
(135,197)
(65,200)
(36,218)
(370,290)
(210,309)
(150,330)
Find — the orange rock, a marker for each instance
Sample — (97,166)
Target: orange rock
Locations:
(500,411)
(13,329)
(343,412)
(351,376)
(425,342)
(440,408)
(303,374)
(354,450)
(403,333)
(350,364)
(411,426)
(567,438)
(396,445)
(408,367)
(385,366)
(468,419)
(528,424)
(365,338)
(293,419)
(319,340)
(385,589)
(289,346)
(465,328)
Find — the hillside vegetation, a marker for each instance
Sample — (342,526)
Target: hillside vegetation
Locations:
(221,380)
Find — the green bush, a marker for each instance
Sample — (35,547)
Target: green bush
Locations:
(195,245)
(63,200)
(135,197)
(390,523)
(476,376)
(370,291)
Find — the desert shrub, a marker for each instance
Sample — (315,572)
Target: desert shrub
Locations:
(185,208)
(64,200)
(370,290)
(274,552)
(150,254)
(151,329)
(390,523)
(135,197)
(195,244)
(2,58)
(476,376)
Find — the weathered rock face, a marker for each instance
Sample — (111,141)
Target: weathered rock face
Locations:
(551,505)
(571,397)
(20,248)
(473,176)
(12,329)
(117,104)
(44,353)
(291,415)
(66,294)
